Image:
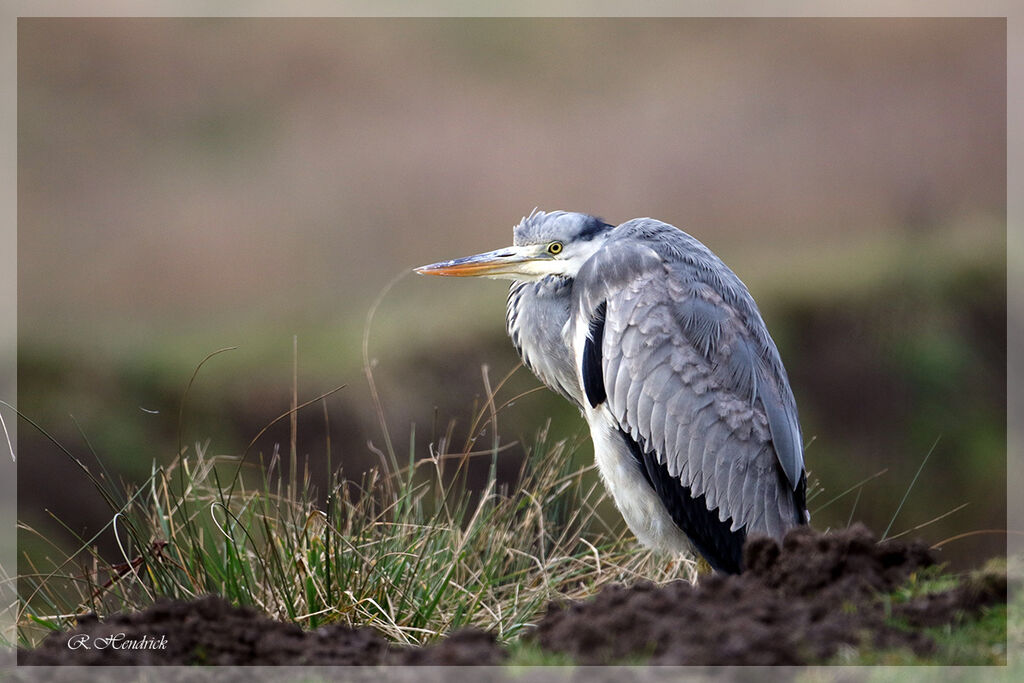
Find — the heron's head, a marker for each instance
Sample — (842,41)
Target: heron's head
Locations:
(555,243)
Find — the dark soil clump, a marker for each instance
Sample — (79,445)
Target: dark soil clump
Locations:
(795,604)
(465,647)
(206,631)
(211,631)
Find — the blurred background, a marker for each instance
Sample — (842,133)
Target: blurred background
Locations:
(188,185)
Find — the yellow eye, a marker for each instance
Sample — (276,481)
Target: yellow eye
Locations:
(555,248)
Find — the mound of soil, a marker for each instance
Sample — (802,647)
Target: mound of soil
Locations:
(795,604)
(798,603)
(205,631)
(212,631)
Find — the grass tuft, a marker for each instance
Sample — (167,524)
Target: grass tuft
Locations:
(412,551)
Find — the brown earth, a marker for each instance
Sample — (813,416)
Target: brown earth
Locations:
(211,631)
(796,604)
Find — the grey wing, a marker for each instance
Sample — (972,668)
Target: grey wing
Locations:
(690,382)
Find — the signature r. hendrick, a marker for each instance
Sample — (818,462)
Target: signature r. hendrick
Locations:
(117,641)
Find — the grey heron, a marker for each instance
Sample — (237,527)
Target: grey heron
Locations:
(663,350)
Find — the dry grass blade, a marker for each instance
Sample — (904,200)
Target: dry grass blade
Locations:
(958,508)
(906,493)
(368,369)
(855,487)
(7,435)
(976,532)
(270,424)
(188,388)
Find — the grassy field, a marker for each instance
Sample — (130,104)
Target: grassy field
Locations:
(411,547)
(416,547)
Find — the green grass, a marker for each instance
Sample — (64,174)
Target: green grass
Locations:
(410,547)
(974,642)
(527,653)
(970,640)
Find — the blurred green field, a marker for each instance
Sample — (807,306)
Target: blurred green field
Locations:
(189,185)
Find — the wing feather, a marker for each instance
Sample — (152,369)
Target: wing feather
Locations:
(691,373)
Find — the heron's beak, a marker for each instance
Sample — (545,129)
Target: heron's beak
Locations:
(506,262)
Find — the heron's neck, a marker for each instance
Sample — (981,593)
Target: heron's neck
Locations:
(536,319)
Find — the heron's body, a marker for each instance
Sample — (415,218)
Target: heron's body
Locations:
(663,350)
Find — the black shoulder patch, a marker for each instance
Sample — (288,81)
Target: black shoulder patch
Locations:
(592,227)
(714,539)
(593,363)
